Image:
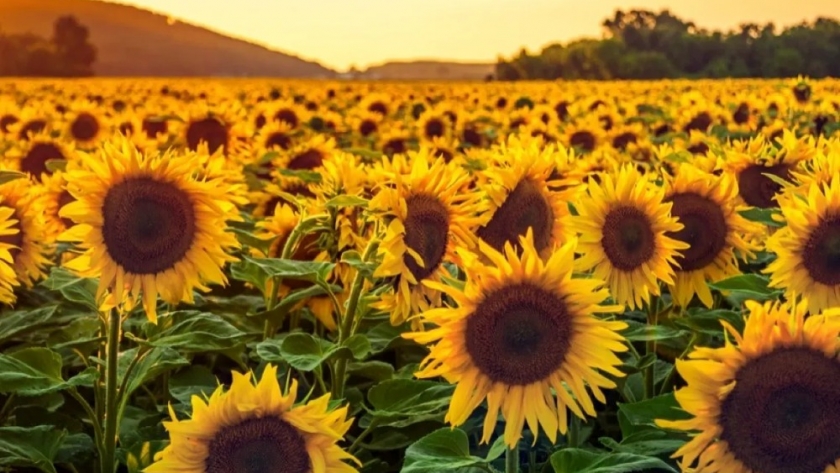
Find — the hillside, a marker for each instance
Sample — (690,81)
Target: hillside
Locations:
(136,42)
(428,70)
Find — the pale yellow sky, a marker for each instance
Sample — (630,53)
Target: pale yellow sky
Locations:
(341,33)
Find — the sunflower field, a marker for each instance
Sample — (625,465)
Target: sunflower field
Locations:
(255,276)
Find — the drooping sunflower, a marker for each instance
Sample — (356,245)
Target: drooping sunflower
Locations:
(519,197)
(707,207)
(147,224)
(624,224)
(256,428)
(523,331)
(807,250)
(768,403)
(30,253)
(427,216)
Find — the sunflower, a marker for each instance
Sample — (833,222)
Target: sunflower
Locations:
(585,134)
(29,251)
(32,119)
(31,156)
(53,189)
(147,224)
(310,154)
(9,244)
(706,206)
(519,197)
(276,135)
(522,332)
(624,224)
(808,248)
(221,127)
(427,216)
(9,115)
(256,428)
(768,403)
(86,125)
(277,228)
(394,139)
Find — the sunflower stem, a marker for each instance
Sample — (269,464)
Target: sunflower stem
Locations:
(346,328)
(573,436)
(512,460)
(111,421)
(650,348)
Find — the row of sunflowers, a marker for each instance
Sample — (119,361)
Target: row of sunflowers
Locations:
(251,276)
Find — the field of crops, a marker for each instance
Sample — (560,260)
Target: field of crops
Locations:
(330,277)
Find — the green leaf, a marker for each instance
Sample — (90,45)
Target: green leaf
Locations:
(288,303)
(8,176)
(197,380)
(384,336)
(157,361)
(72,287)
(639,332)
(21,322)
(76,449)
(648,442)
(193,331)
(402,402)
(646,412)
(259,270)
(764,216)
(747,287)
(575,460)
(346,201)
(30,447)
(373,370)
(442,450)
(353,259)
(304,352)
(37,371)
(309,177)
(707,321)
(249,239)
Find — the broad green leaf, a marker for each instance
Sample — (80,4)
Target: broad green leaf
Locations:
(401,402)
(764,216)
(346,201)
(353,259)
(309,177)
(247,238)
(8,176)
(21,322)
(288,303)
(192,331)
(373,370)
(648,442)
(575,460)
(37,371)
(384,336)
(30,447)
(708,321)
(646,412)
(640,332)
(153,364)
(304,352)
(259,270)
(77,449)
(443,450)
(747,287)
(72,287)
(195,380)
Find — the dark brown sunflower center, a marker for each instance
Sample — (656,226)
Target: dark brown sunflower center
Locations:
(802,92)
(583,139)
(525,207)
(444,154)
(698,148)
(209,130)
(704,229)
(519,334)
(262,445)
(700,122)
(85,127)
(426,232)
(472,137)
(742,114)
(6,121)
(367,127)
(148,226)
(309,159)
(287,116)
(621,141)
(278,139)
(628,238)
(378,107)
(32,126)
(153,127)
(35,161)
(783,413)
(759,190)
(434,128)
(15,240)
(821,255)
(562,110)
(394,146)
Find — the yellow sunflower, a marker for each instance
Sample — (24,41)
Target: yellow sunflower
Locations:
(9,244)
(770,402)
(427,216)
(807,250)
(30,251)
(86,124)
(624,224)
(522,332)
(707,207)
(53,189)
(519,197)
(31,156)
(256,428)
(146,224)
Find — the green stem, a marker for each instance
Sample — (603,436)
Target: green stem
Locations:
(356,443)
(111,420)
(512,460)
(268,328)
(123,396)
(650,347)
(573,435)
(346,328)
(7,407)
(94,421)
(669,380)
(532,461)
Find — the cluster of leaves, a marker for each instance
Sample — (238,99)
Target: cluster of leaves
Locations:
(641,44)
(68,53)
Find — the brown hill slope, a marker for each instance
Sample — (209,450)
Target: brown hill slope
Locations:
(136,42)
(428,70)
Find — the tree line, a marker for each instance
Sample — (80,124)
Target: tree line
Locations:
(641,44)
(68,53)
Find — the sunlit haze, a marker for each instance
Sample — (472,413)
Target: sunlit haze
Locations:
(342,33)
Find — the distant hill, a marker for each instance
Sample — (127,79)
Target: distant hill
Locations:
(136,42)
(428,70)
